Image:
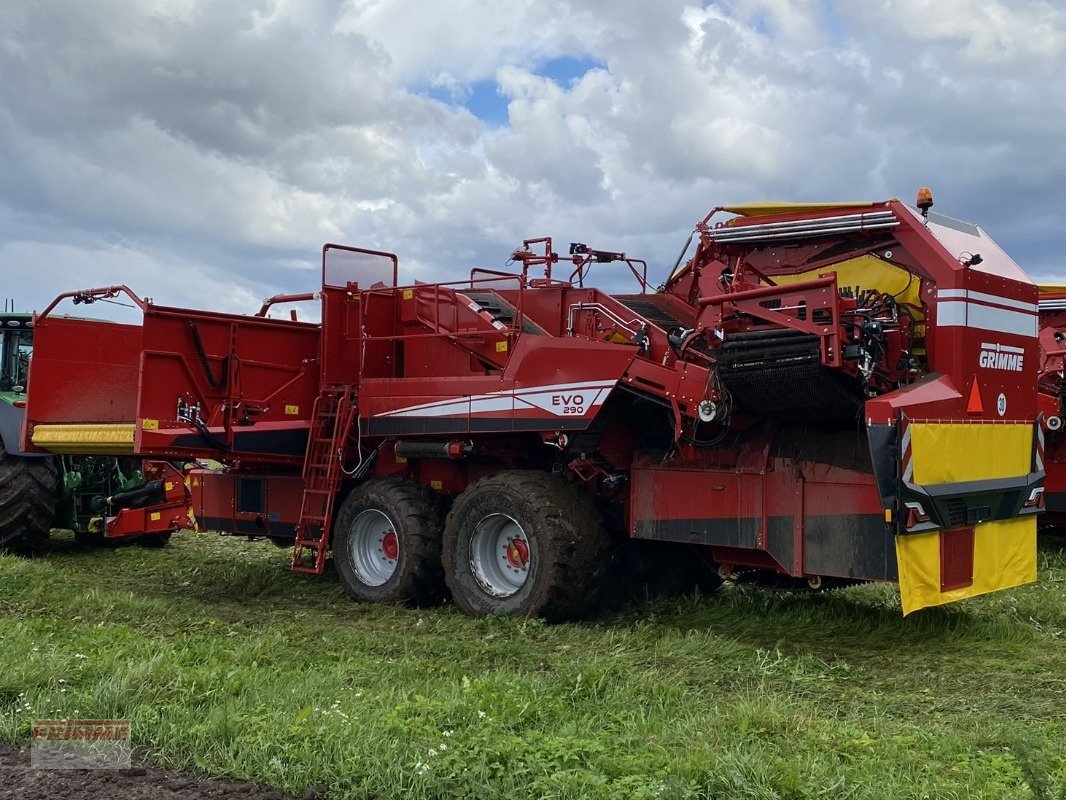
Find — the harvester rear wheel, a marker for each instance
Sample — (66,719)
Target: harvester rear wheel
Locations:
(29,494)
(524,544)
(386,543)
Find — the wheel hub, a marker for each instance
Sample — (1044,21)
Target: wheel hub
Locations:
(373,547)
(517,553)
(500,555)
(390,545)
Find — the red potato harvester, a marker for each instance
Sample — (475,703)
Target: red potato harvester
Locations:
(820,394)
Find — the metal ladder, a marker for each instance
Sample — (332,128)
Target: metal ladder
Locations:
(332,418)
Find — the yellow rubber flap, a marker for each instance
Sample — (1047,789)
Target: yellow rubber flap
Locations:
(1004,555)
(89,439)
(951,452)
(765,209)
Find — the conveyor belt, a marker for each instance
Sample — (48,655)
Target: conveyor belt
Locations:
(779,374)
(665,312)
(502,311)
(662,311)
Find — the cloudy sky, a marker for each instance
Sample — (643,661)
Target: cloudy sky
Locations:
(203,151)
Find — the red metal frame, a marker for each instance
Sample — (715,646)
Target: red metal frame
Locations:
(172,514)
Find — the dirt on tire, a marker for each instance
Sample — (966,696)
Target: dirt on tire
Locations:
(29,494)
(567,540)
(20,781)
(418,578)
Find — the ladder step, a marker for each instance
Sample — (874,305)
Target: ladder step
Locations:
(334,413)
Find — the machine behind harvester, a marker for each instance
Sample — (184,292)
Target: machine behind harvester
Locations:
(1052,384)
(806,400)
(99,497)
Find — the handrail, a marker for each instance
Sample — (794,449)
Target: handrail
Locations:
(92,295)
(285,298)
(433,291)
(579,270)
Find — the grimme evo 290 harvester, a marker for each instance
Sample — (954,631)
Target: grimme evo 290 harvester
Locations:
(809,396)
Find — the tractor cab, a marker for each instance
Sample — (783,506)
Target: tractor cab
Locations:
(15,351)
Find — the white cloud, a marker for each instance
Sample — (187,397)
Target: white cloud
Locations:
(223,143)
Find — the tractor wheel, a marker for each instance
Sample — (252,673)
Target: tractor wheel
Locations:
(153,540)
(29,494)
(524,544)
(386,543)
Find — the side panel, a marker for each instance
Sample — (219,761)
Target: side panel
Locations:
(549,384)
(810,519)
(83,371)
(251,505)
(225,385)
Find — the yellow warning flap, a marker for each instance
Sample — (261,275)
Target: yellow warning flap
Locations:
(101,439)
(952,452)
(1004,555)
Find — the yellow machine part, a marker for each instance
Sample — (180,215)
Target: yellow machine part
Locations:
(89,439)
(869,273)
(767,209)
(1004,555)
(952,452)
(1004,551)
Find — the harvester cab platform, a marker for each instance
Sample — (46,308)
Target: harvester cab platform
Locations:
(821,393)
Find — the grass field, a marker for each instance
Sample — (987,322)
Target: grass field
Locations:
(229,664)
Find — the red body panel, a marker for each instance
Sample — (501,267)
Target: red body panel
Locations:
(246,504)
(84,371)
(171,514)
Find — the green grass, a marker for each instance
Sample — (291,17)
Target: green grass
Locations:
(227,663)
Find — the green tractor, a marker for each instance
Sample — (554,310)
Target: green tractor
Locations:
(41,492)
(29,484)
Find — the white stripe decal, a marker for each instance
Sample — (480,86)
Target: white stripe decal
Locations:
(945,294)
(558,387)
(951,313)
(974,315)
(999,319)
(1002,301)
(981,297)
(507,400)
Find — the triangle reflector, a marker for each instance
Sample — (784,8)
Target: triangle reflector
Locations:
(974,405)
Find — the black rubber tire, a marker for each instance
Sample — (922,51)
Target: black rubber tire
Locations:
(29,494)
(567,546)
(418,578)
(153,541)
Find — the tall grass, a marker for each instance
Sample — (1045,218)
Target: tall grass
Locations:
(227,663)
